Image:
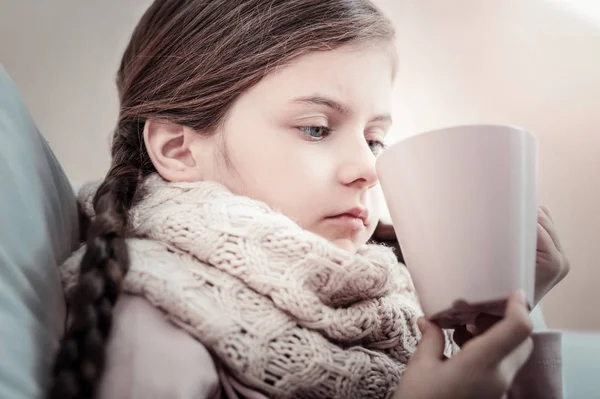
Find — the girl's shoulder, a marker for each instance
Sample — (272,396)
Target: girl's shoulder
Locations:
(148,356)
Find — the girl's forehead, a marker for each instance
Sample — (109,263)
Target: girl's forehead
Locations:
(344,73)
(341,61)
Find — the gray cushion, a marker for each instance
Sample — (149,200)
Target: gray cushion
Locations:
(38,230)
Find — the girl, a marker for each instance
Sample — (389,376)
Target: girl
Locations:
(226,252)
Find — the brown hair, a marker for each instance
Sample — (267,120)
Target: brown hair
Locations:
(187,62)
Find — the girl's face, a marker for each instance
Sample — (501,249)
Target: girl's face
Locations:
(304,140)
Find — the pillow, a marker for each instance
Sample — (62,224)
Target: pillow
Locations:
(38,231)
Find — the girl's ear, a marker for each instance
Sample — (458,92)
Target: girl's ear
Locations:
(168,146)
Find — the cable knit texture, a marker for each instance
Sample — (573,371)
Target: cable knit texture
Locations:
(287,313)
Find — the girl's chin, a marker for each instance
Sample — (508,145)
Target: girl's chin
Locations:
(345,244)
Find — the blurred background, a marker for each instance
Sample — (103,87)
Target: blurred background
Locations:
(532,63)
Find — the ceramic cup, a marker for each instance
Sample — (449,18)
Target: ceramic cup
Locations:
(463,205)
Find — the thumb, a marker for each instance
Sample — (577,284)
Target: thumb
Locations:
(432,343)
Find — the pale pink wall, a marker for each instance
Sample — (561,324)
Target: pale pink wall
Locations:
(530,63)
(522,62)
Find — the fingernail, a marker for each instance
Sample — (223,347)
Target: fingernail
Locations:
(521,296)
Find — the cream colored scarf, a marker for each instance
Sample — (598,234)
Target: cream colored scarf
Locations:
(284,310)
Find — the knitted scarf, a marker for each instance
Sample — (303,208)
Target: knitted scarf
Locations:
(284,310)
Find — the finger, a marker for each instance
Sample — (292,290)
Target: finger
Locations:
(515,361)
(432,345)
(546,211)
(544,241)
(505,336)
(461,336)
(548,225)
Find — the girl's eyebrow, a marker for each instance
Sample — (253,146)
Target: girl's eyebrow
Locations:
(337,106)
(324,101)
(387,118)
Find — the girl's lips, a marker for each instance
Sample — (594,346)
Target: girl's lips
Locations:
(354,219)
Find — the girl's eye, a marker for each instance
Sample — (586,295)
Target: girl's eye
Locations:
(315,132)
(376,146)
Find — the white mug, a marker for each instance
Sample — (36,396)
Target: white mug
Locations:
(463,205)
